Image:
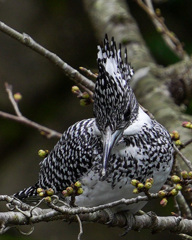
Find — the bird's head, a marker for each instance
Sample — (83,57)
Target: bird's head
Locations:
(115,106)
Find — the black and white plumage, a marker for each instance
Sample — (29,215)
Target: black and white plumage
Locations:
(106,152)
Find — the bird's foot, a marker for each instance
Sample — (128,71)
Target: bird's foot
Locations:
(154,222)
(110,214)
(130,218)
(151,214)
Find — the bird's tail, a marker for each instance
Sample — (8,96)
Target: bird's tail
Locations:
(26,193)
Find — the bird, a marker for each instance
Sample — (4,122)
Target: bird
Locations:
(105,153)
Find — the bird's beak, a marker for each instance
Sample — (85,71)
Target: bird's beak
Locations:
(109,140)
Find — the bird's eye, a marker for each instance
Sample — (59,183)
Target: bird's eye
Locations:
(127,114)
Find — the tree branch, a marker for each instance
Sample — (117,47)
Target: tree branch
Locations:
(72,73)
(156,223)
(186,161)
(96,214)
(20,118)
(170,39)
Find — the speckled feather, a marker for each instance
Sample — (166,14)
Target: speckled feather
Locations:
(143,148)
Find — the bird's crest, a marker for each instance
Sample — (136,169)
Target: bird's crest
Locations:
(113,94)
(114,64)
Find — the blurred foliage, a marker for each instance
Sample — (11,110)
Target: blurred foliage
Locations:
(177,16)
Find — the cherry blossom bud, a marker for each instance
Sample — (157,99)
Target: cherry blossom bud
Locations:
(164,202)
(17,97)
(77,184)
(79,191)
(75,89)
(175,179)
(134,182)
(184,174)
(162,194)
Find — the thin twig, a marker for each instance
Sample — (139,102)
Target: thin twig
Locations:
(15,202)
(88,72)
(185,144)
(185,236)
(186,161)
(87,90)
(171,40)
(183,206)
(49,133)
(20,118)
(79,210)
(12,100)
(72,73)
(80,227)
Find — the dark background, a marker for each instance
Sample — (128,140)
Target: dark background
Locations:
(62,26)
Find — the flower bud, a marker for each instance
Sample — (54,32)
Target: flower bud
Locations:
(175,135)
(178,143)
(158,12)
(189,190)
(135,190)
(42,194)
(178,187)
(79,191)
(69,190)
(140,186)
(17,97)
(164,202)
(159,29)
(184,174)
(49,192)
(134,182)
(148,185)
(162,194)
(77,184)
(75,89)
(186,124)
(174,214)
(173,192)
(47,199)
(43,133)
(190,174)
(150,180)
(65,193)
(83,102)
(85,95)
(43,153)
(39,190)
(175,179)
